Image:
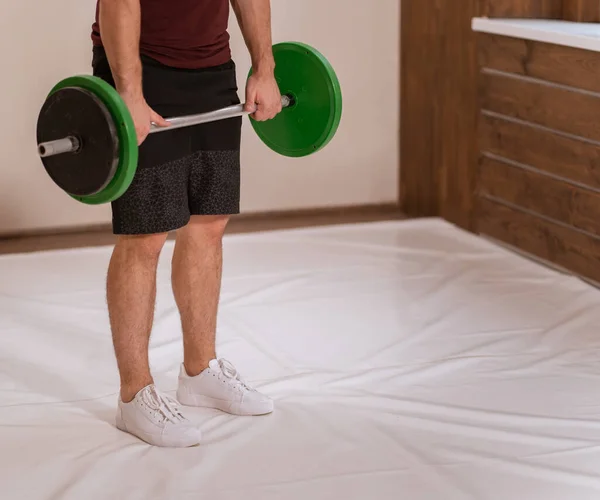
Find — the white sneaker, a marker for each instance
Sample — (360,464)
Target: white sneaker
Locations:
(155,418)
(220,386)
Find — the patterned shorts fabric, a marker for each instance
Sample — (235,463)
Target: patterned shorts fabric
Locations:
(183,172)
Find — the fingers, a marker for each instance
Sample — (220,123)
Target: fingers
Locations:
(259,115)
(264,113)
(268,110)
(250,106)
(263,99)
(142,128)
(158,120)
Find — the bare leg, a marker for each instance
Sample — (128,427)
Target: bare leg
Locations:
(196,276)
(131,296)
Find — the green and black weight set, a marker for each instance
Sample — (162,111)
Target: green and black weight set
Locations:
(88,144)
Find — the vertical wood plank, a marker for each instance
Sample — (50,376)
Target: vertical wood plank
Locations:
(421,29)
(583,11)
(543,9)
(438,109)
(439,101)
(457,102)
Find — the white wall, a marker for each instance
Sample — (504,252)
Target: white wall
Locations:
(43,42)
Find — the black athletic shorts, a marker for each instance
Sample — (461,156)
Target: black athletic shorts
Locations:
(182,172)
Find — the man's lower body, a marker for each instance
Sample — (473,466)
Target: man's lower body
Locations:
(188,181)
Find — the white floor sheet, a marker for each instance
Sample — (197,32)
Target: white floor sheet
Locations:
(408,360)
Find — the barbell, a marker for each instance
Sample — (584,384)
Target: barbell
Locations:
(88,144)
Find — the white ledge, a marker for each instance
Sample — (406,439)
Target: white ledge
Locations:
(580,35)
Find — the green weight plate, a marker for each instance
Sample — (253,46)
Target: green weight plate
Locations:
(128,147)
(311,122)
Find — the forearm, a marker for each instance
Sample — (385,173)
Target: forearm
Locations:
(254,18)
(120,32)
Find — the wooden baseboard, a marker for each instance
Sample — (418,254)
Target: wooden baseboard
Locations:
(267,221)
(98,235)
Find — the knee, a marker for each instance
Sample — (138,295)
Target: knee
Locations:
(206,229)
(147,247)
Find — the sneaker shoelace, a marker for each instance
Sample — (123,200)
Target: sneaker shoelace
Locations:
(232,375)
(165,406)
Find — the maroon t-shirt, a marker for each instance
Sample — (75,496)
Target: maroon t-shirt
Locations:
(187,34)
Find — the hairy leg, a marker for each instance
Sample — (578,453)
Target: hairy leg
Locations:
(131,296)
(196,278)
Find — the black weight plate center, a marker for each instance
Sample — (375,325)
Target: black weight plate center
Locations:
(78,112)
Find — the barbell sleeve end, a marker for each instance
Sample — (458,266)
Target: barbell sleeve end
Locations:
(70,144)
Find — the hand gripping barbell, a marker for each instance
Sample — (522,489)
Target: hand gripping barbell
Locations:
(88,144)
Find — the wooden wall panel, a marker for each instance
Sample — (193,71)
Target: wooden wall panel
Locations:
(569,248)
(570,10)
(438,109)
(554,63)
(547,9)
(419,133)
(566,157)
(581,10)
(457,100)
(538,182)
(558,108)
(572,205)
(537,185)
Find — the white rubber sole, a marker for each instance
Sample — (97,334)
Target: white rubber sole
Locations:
(233,408)
(155,440)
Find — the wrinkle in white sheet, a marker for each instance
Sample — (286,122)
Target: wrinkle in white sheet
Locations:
(407,360)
